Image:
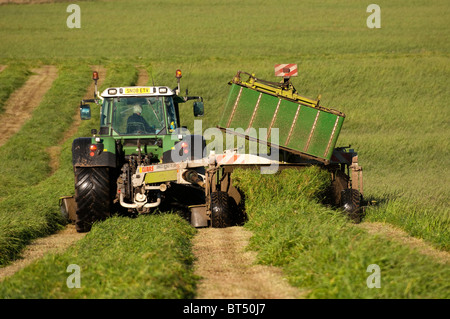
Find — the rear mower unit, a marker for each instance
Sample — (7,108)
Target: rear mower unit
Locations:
(307,132)
(141,158)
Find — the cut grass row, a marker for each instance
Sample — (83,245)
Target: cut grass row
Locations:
(24,157)
(11,78)
(121,258)
(428,222)
(28,208)
(320,251)
(32,209)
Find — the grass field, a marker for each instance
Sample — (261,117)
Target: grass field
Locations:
(321,251)
(392,84)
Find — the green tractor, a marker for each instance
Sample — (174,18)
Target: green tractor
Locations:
(138,134)
(141,158)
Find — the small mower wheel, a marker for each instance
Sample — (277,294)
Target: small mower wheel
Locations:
(221,215)
(92,194)
(351,200)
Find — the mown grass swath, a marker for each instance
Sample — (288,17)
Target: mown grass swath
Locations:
(24,157)
(429,222)
(148,257)
(35,212)
(321,251)
(28,192)
(11,78)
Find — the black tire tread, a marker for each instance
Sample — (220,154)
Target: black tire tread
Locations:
(92,194)
(221,215)
(351,201)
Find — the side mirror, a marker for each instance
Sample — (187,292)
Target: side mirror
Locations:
(199,109)
(85,111)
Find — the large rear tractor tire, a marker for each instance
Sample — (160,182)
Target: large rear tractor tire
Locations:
(351,203)
(93,196)
(221,210)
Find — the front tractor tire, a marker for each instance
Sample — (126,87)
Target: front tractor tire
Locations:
(93,196)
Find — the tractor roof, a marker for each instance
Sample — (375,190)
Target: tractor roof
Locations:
(138,91)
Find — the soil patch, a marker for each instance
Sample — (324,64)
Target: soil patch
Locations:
(143,78)
(228,270)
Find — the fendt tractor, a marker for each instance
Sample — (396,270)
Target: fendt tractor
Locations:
(142,159)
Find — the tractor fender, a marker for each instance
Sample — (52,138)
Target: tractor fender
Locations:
(81,154)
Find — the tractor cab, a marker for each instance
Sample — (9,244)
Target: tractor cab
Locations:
(140,120)
(139,110)
(139,114)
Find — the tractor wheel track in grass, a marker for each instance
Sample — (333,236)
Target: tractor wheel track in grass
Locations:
(143,77)
(39,247)
(228,270)
(396,234)
(22,102)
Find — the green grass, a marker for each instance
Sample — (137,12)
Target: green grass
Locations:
(392,83)
(118,73)
(321,251)
(417,219)
(175,30)
(121,258)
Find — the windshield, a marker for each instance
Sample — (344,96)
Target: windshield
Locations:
(142,115)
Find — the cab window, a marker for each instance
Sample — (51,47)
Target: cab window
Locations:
(141,115)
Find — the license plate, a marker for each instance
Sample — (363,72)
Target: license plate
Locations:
(136,91)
